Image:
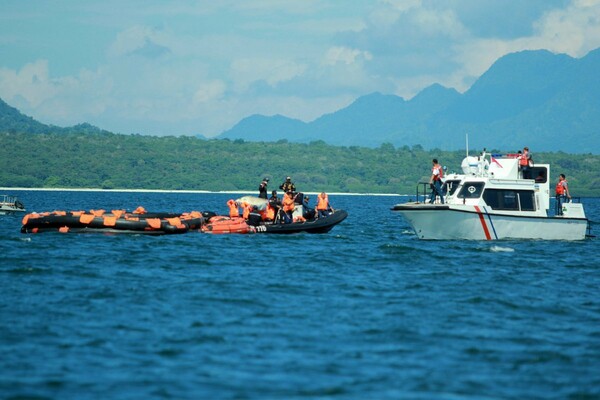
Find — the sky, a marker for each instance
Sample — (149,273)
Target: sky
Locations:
(198,67)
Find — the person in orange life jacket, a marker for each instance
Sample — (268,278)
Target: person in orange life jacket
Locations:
(233,209)
(323,207)
(262,188)
(562,193)
(288,204)
(435,182)
(247,208)
(269,213)
(525,163)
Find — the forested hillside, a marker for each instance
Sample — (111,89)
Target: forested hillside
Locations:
(111,161)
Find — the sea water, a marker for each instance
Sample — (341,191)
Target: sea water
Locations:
(366,311)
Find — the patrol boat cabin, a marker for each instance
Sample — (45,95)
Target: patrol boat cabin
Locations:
(491,200)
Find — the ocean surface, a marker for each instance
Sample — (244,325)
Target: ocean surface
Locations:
(366,311)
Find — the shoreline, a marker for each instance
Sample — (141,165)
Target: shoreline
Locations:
(245,192)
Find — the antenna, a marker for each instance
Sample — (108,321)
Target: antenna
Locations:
(467,139)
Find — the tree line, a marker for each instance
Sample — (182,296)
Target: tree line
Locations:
(116,161)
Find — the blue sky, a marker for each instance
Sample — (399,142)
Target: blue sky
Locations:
(198,67)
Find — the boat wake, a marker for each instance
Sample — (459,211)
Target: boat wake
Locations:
(500,249)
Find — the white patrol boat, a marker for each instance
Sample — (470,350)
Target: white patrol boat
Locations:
(10,205)
(490,200)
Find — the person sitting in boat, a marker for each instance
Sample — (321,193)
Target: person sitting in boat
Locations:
(562,193)
(540,178)
(233,209)
(274,202)
(308,213)
(525,163)
(288,204)
(435,182)
(323,208)
(247,209)
(270,212)
(262,188)
(288,185)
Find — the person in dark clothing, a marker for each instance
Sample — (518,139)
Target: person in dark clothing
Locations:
(262,188)
(288,185)
(275,203)
(308,213)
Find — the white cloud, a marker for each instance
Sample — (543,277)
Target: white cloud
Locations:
(209,91)
(141,40)
(246,71)
(574,30)
(31,83)
(345,55)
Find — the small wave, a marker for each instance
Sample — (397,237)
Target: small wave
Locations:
(500,249)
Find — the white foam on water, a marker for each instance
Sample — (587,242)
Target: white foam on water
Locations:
(499,249)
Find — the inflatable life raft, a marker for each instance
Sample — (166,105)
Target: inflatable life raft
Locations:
(116,221)
(221,224)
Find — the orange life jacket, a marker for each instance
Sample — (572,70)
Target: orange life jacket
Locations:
(247,209)
(288,204)
(523,161)
(440,173)
(233,209)
(560,187)
(269,212)
(322,202)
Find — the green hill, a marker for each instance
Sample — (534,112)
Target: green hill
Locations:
(111,161)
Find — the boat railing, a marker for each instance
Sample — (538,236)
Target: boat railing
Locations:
(11,201)
(424,191)
(8,199)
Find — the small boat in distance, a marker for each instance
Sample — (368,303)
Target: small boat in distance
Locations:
(11,205)
(490,200)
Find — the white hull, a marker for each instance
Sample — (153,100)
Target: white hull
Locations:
(438,222)
(7,210)
(10,205)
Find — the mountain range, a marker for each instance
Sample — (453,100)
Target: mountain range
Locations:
(549,102)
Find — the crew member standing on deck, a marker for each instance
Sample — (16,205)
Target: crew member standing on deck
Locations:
(525,163)
(435,182)
(288,204)
(288,185)
(262,188)
(562,193)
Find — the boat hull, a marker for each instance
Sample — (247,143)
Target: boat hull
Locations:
(320,225)
(455,222)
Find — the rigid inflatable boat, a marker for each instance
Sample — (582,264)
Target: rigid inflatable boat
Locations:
(116,221)
(317,225)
